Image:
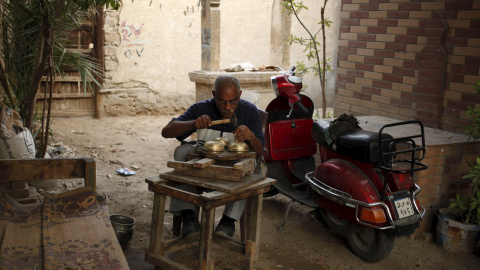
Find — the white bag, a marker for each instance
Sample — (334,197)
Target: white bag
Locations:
(18,147)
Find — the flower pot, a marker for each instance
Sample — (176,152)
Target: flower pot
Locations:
(455,236)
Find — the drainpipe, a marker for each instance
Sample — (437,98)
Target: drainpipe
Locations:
(444,71)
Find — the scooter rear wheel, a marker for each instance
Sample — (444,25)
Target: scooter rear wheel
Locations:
(371,245)
(338,225)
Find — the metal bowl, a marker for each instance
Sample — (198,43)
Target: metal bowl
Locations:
(214,146)
(123,227)
(238,147)
(224,140)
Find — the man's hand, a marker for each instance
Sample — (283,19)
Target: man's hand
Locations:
(243,133)
(203,122)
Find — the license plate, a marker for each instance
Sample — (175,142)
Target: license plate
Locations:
(404,207)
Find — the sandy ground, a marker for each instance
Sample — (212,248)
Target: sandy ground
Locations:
(124,142)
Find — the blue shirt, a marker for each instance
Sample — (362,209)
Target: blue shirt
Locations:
(246,112)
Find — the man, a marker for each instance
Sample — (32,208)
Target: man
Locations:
(226,100)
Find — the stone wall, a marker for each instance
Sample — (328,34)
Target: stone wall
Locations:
(409,60)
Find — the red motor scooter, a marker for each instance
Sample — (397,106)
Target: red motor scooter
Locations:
(363,188)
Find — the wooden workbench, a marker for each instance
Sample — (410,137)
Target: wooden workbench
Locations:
(217,193)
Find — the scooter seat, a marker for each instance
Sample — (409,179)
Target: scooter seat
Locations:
(319,129)
(360,144)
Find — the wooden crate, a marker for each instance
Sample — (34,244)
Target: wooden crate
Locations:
(230,170)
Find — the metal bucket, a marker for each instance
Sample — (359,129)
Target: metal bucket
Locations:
(455,236)
(123,227)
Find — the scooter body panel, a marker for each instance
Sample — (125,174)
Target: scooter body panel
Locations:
(368,169)
(297,144)
(346,177)
(288,133)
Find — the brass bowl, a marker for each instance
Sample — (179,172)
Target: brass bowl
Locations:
(214,146)
(238,147)
(224,140)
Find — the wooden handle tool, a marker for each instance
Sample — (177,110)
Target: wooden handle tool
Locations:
(226,121)
(223,121)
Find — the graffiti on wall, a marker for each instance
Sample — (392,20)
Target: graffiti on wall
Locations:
(206,44)
(131,38)
(206,53)
(204,8)
(206,35)
(189,13)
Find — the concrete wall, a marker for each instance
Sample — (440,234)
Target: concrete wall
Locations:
(152,45)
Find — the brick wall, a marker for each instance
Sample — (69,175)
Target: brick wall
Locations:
(443,178)
(397,58)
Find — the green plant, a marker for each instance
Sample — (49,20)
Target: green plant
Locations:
(33,45)
(471,204)
(312,45)
(474,128)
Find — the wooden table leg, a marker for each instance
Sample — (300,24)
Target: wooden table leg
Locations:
(156,233)
(208,216)
(254,219)
(249,254)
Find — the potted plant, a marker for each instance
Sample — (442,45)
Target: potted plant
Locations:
(458,226)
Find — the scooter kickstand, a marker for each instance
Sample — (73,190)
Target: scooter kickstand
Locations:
(282,227)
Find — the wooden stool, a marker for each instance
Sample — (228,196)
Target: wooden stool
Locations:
(218,193)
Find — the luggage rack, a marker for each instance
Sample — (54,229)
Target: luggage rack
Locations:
(388,161)
(389,153)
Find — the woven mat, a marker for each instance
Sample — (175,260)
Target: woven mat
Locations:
(67,231)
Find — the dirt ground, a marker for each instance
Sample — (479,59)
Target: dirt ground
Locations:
(126,142)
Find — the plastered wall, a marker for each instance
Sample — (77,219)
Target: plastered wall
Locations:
(151,45)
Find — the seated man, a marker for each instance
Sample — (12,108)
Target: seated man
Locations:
(226,100)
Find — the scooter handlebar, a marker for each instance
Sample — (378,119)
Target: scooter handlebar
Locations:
(300,105)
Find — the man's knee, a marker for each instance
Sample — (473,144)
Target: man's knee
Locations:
(181,151)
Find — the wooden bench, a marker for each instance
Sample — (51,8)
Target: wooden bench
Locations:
(80,215)
(47,168)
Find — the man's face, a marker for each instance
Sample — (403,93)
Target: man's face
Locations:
(227,100)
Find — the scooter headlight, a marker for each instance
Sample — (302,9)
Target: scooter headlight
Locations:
(275,86)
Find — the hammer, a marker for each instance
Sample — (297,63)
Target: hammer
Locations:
(226,121)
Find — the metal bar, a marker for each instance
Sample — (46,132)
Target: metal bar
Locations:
(338,196)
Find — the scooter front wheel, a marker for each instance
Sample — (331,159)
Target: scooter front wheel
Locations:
(371,245)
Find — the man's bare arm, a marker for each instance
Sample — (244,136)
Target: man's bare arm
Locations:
(256,144)
(178,128)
